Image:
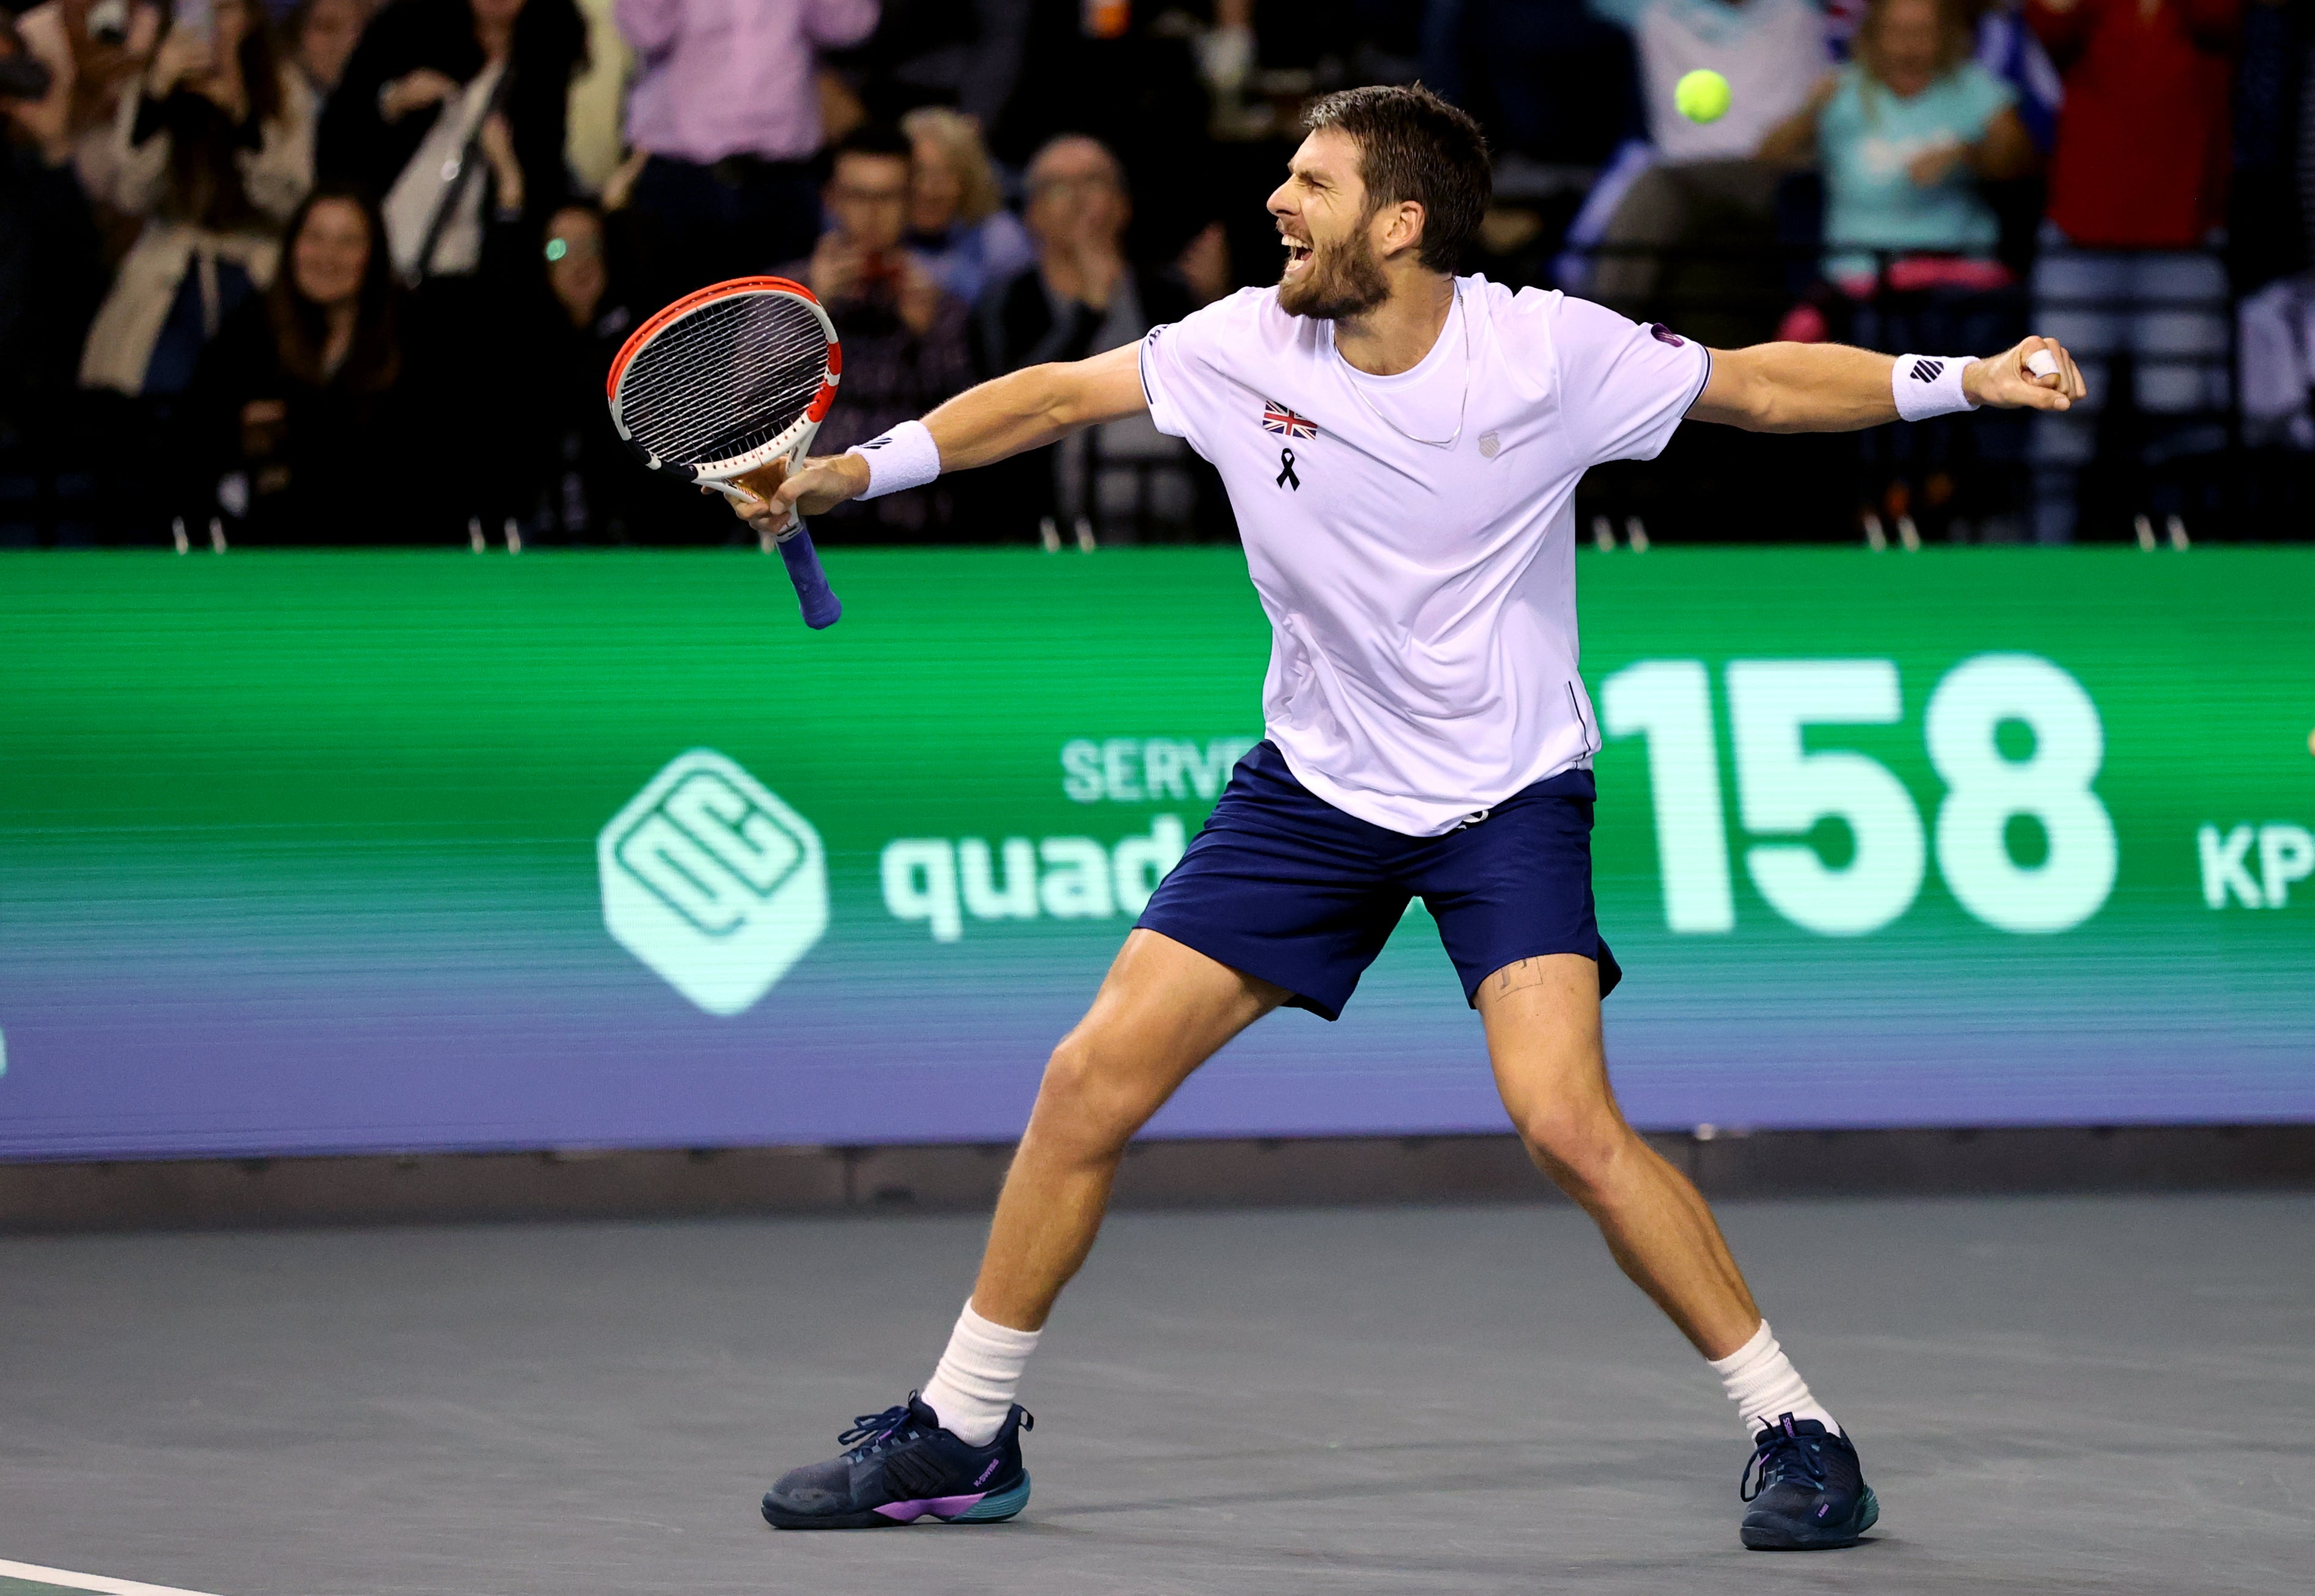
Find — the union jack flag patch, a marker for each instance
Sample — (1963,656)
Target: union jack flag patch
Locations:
(1276,418)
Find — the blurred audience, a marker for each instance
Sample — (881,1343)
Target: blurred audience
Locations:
(903,334)
(545,171)
(2137,188)
(1903,133)
(957,219)
(726,112)
(454,113)
(1082,296)
(313,395)
(215,147)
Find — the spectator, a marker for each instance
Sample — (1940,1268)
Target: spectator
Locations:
(1706,191)
(323,34)
(434,84)
(957,218)
(727,107)
(903,334)
(215,149)
(590,488)
(308,389)
(1904,133)
(2136,188)
(1082,298)
(94,53)
(49,268)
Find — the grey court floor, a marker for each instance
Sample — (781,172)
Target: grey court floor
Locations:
(2052,1396)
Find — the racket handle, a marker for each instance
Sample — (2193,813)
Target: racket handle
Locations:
(821,607)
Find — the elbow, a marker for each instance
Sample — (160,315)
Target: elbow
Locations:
(1053,400)
(1762,408)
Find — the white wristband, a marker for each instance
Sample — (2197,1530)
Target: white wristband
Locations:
(904,457)
(1928,386)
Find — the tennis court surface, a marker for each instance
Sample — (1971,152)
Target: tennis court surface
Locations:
(2058,1394)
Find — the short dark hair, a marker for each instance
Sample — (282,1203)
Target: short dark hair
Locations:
(880,139)
(1415,146)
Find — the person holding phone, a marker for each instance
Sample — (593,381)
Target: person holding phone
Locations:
(214,150)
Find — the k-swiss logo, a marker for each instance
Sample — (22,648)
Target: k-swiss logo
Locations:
(1664,334)
(1276,418)
(1927,371)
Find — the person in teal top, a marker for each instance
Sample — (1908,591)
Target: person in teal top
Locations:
(1904,133)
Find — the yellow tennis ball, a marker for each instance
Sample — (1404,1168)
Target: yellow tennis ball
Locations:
(1701,95)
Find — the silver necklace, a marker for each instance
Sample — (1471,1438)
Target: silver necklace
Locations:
(1448,441)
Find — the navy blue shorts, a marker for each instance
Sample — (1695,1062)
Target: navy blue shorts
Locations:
(1282,885)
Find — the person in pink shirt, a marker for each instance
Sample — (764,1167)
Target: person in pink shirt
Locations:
(726,108)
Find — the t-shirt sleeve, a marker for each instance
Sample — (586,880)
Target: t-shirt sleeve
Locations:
(1624,388)
(1180,365)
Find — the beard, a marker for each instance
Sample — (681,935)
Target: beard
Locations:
(1342,280)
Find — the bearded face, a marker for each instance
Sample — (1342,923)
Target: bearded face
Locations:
(1330,279)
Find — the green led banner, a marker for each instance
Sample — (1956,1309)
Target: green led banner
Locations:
(394,850)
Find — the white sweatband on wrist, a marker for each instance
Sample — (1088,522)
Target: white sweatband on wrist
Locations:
(904,457)
(1928,386)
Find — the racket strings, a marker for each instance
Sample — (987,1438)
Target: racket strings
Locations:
(727,378)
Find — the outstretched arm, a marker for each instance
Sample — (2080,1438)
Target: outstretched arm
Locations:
(1015,413)
(1830,387)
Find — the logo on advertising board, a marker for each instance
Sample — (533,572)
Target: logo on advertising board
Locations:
(713,882)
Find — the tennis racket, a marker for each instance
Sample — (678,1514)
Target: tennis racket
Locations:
(723,382)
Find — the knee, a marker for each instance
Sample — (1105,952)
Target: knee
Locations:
(1580,1149)
(1085,1106)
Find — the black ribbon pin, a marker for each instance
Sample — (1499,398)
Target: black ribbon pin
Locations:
(1286,477)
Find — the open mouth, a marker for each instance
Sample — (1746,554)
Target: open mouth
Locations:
(1298,255)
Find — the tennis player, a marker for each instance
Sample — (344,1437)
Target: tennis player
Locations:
(1401,447)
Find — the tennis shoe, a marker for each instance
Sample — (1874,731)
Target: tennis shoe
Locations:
(1810,1494)
(900,1466)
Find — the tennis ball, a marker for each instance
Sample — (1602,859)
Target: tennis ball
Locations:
(1701,95)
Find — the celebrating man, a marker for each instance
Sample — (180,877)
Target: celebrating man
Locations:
(1401,447)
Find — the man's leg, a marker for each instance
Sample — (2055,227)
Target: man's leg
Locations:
(1542,1017)
(953,1452)
(1163,1010)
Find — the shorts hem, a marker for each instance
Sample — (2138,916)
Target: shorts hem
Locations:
(1198,939)
(1611,973)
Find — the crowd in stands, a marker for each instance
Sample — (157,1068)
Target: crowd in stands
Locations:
(344,272)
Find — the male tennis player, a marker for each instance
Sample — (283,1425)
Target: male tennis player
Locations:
(1401,447)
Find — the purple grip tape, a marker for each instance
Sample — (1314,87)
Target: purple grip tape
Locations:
(821,607)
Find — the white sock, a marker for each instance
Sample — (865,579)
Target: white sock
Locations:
(973,1389)
(1761,1382)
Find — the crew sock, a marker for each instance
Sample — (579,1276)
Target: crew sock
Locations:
(1762,1383)
(973,1389)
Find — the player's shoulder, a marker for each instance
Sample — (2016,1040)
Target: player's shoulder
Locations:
(1537,323)
(1249,323)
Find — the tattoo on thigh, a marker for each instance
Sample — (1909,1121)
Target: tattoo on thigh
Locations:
(1511,978)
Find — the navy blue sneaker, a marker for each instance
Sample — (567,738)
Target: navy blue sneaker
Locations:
(1811,1495)
(901,1466)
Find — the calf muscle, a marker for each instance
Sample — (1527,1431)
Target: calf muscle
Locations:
(1542,1017)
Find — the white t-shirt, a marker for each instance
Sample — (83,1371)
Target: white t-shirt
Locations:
(1422,600)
